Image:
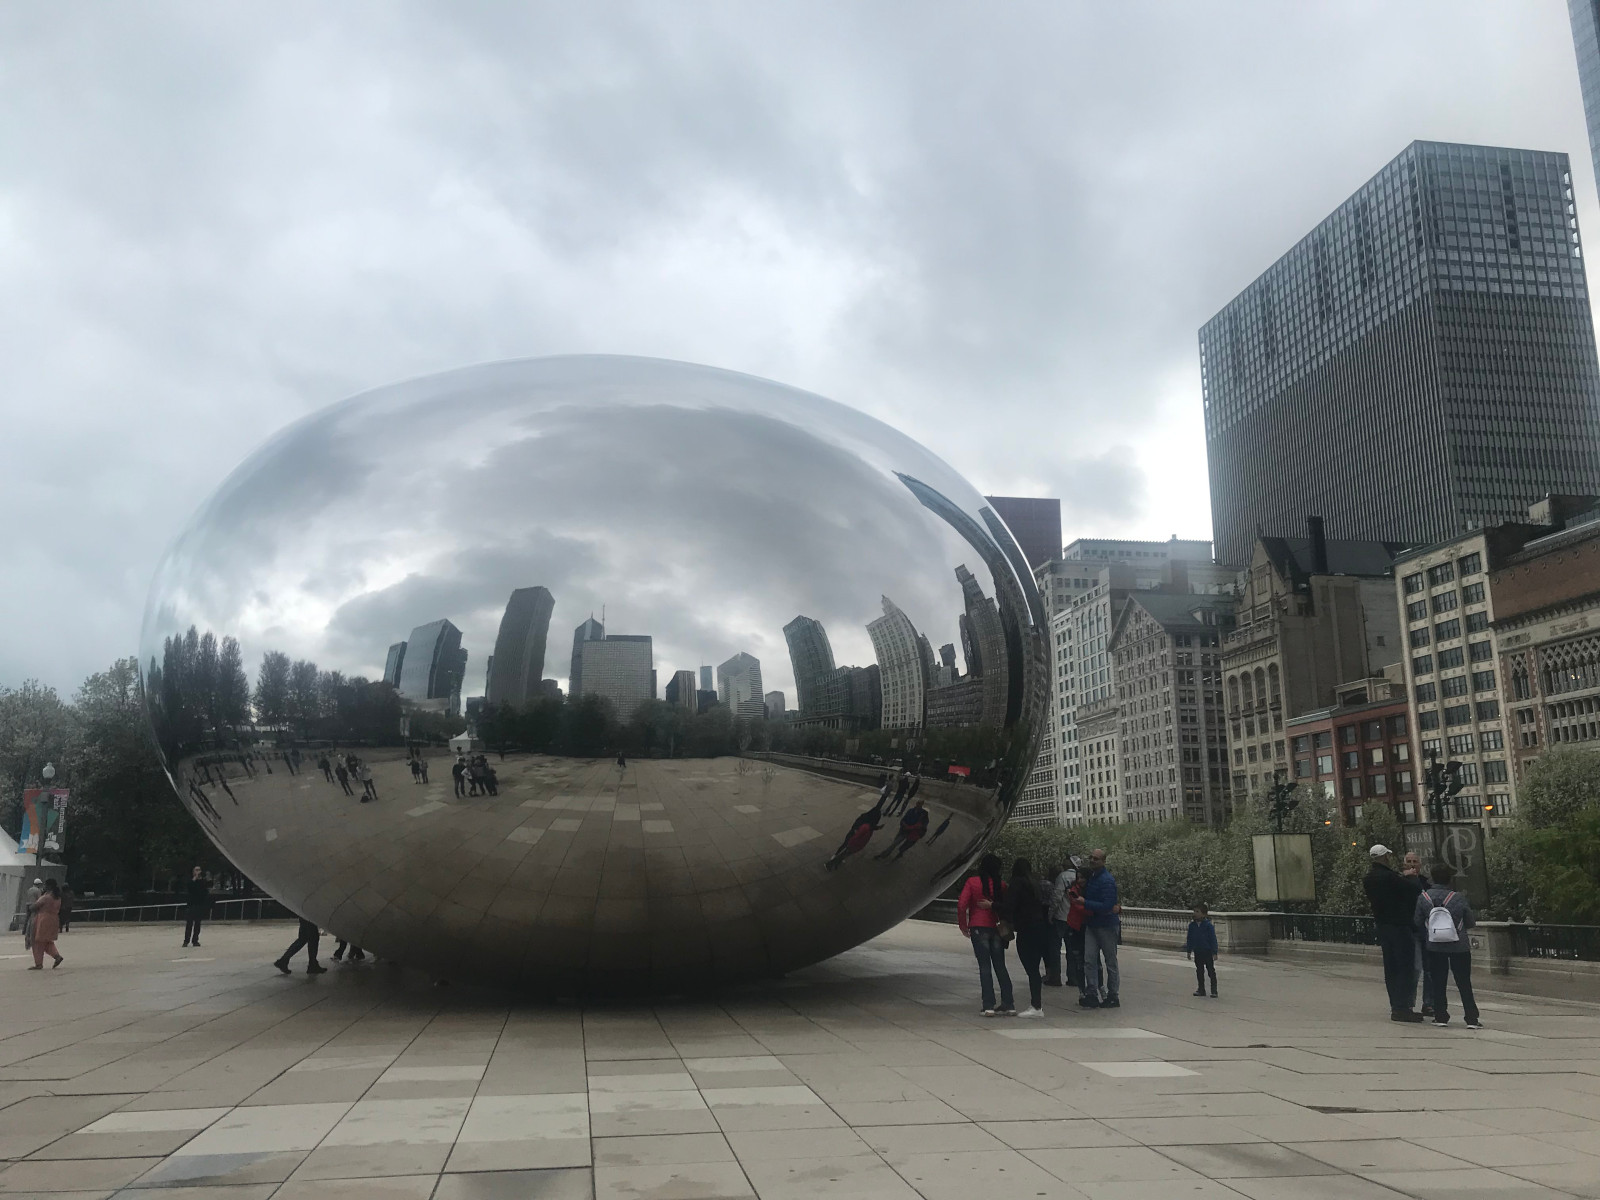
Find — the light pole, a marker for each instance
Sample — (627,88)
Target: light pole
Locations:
(1443,781)
(47,773)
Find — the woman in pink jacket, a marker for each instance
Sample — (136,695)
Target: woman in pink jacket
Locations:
(978,913)
(46,925)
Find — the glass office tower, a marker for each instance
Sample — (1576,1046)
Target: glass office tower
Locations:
(1585,16)
(1422,363)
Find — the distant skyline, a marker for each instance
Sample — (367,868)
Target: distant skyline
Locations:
(217,221)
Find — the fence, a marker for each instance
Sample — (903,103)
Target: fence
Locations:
(1580,943)
(1324,927)
(256,908)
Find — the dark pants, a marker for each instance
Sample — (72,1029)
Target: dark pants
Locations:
(191,926)
(1399,948)
(1421,973)
(992,962)
(345,784)
(309,937)
(1031,945)
(1074,948)
(1052,953)
(1205,964)
(461,786)
(1459,965)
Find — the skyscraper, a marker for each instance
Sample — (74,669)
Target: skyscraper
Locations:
(1034,522)
(811,656)
(1585,16)
(774,705)
(392,665)
(705,679)
(518,662)
(433,665)
(1431,341)
(681,689)
(590,631)
(739,686)
(618,666)
(894,642)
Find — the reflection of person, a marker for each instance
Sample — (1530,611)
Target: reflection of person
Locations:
(899,795)
(912,826)
(199,904)
(46,925)
(369,790)
(977,915)
(1393,903)
(344,779)
(939,832)
(326,767)
(308,938)
(861,831)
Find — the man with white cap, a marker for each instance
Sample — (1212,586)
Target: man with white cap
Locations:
(1394,903)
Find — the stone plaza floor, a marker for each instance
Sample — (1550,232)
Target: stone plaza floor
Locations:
(143,1070)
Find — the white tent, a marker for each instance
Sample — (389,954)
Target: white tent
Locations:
(17,871)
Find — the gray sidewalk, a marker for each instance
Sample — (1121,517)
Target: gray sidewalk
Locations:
(142,1069)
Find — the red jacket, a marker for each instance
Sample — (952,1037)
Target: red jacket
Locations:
(969,915)
(1075,911)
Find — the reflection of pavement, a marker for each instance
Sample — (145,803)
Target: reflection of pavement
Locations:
(680,866)
(868,1076)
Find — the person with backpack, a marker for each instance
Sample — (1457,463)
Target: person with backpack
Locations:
(1028,907)
(978,914)
(1443,917)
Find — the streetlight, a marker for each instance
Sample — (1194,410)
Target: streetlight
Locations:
(1283,802)
(47,773)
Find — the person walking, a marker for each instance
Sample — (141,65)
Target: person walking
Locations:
(309,938)
(902,786)
(1394,905)
(1028,907)
(325,767)
(369,790)
(1201,945)
(1102,929)
(416,771)
(912,826)
(978,917)
(1443,917)
(861,831)
(356,953)
(198,908)
(343,772)
(46,925)
(1411,871)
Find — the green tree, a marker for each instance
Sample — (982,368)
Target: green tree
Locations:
(35,728)
(272,688)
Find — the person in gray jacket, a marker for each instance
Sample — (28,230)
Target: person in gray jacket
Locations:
(1441,912)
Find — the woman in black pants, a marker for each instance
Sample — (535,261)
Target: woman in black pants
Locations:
(1030,917)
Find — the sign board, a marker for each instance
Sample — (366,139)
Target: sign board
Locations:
(963,771)
(1459,843)
(1283,866)
(42,808)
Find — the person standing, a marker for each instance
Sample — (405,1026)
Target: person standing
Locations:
(199,907)
(416,771)
(1201,945)
(32,898)
(458,771)
(343,772)
(369,790)
(423,763)
(326,767)
(1443,917)
(978,917)
(1411,871)
(1029,911)
(902,786)
(1102,929)
(1060,879)
(1394,904)
(1073,924)
(310,938)
(46,925)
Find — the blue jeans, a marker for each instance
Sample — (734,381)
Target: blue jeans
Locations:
(1098,940)
(991,955)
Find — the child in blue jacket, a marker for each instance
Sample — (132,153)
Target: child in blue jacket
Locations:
(1202,946)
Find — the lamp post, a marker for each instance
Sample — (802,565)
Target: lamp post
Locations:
(1283,801)
(47,773)
(1443,781)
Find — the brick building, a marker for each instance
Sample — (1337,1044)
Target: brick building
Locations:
(1359,750)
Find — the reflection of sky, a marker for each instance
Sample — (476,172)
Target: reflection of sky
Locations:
(703,508)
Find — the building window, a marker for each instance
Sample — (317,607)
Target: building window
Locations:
(1401,751)
(1431,747)
(1469,774)
(1302,768)
(1427,693)
(1444,602)
(1417,610)
(1324,764)
(1488,710)
(1352,760)
(1377,785)
(1443,573)
(1458,714)
(1460,743)
(1494,770)
(1477,622)
(1322,739)
(1470,564)
(1483,681)
(1472,593)
(1413,583)
(1445,630)
(1453,685)
(1397,726)
(1302,744)
(1452,657)
(1419,638)
(1376,756)
(1402,781)
(1352,787)
(1427,720)
(1349,734)
(1491,739)
(1480,651)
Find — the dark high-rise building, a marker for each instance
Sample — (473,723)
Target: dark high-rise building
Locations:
(393,664)
(1034,522)
(1585,16)
(1421,363)
(811,656)
(434,664)
(705,679)
(590,631)
(982,634)
(517,665)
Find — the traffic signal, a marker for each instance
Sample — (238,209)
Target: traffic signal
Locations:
(1454,782)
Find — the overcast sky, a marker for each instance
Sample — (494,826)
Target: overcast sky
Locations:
(995,227)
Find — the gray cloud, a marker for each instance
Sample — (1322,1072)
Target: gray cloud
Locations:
(996,229)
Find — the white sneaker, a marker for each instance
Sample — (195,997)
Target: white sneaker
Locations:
(988,1012)
(1031,1012)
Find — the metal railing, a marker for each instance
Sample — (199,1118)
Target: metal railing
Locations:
(255,908)
(1324,927)
(1576,942)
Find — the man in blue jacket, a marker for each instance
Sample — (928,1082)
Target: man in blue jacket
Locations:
(1101,929)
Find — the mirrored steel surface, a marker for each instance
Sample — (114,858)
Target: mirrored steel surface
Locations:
(553,549)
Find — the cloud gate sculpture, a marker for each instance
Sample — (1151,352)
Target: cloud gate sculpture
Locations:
(597,674)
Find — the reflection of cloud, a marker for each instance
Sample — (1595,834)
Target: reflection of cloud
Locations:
(700,508)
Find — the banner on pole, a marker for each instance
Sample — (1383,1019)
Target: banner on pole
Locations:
(42,809)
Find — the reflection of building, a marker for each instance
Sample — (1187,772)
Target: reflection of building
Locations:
(811,656)
(1432,337)
(955,704)
(1035,523)
(986,641)
(773,703)
(895,643)
(739,686)
(590,631)
(518,662)
(392,665)
(1312,613)
(681,689)
(616,666)
(1171,708)
(1064,579)
(433,666)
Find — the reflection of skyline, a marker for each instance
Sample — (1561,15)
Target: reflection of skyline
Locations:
(517,665)
(433,667)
